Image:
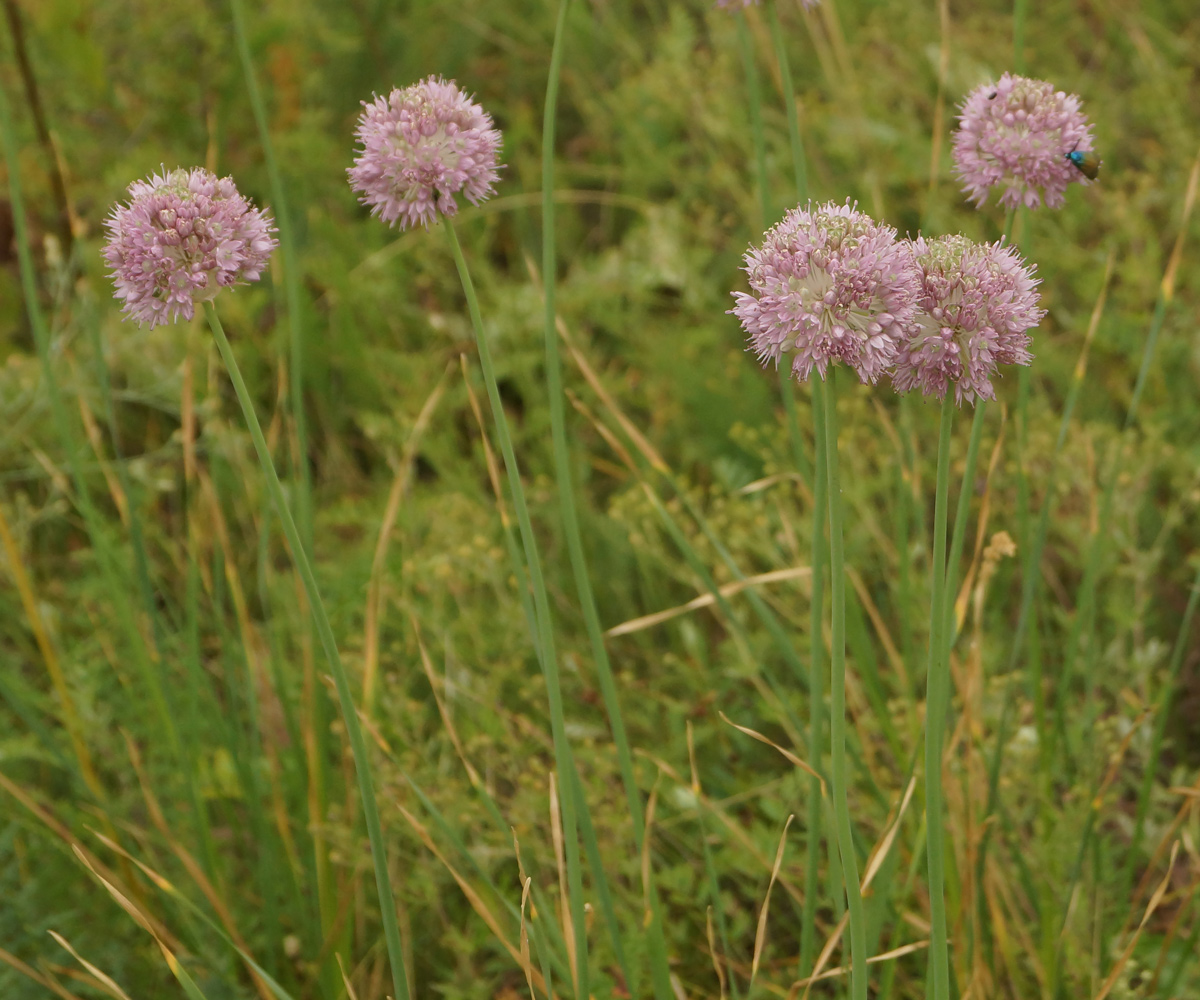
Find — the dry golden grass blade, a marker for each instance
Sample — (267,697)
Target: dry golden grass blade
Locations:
(96,440)
(887,956)
(447,722)
(33,615)
(718,965)
(1191,793)
(895,658)
(647,827)
(760,933)
(1020,922)
(194,869)
(826,952)
(526,962)
(707,600)
(875,861)
(104,981)
(879,855)
(589,374)
(1189,202)
(40,978)
(738,834)
(1181,911)
(985,508)
(350,994)
(146,922)
(791,757)
(1167,838)
(1155,899)
(564,890)
(47,819)
(489,456)
(391,512)
(473,897)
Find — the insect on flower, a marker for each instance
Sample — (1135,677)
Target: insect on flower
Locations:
(1086,162)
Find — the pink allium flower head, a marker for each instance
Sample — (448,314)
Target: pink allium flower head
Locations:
(184,236)
(421,146)
(1017,133)
(975,304)
(743,4)
(828,284)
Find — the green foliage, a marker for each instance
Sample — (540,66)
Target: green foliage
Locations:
(656,202)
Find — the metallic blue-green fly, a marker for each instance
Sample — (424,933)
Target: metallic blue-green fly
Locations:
(1087,163)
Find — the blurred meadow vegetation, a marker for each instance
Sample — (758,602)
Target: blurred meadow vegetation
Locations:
(161,690)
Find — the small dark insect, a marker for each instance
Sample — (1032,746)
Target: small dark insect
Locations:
(1087,163)
(992,95)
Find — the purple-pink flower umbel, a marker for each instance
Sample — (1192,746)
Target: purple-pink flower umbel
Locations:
(1017,133)
(184,236)
(743,4)
(976,303)
(828,284)
(421,146)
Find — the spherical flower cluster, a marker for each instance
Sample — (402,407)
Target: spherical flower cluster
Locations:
(421,146)
(828,284)
(184,236)
(975,305)
(1017,133)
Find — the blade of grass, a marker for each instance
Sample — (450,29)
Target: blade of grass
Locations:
(936,706)
(839,779)
(569,515)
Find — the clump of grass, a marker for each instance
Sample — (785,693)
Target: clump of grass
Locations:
(166,711)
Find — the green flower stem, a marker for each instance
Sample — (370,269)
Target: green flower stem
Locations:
(818,481)
(816,685)
(358,746)
(837,709)
(961,515)
(936,704)
(547,653)
(1020,9)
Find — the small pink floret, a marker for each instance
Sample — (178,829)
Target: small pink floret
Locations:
(422,145)
(976,304)
(828,284)
(1016,134)
(184,236)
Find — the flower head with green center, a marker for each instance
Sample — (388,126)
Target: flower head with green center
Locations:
(1017,133)
(421,146)
(828,284)
(184,236)
(976,303)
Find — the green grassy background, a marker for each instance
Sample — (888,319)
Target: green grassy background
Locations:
(657,202)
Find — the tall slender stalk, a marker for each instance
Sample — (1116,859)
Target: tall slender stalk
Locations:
(936,704)
(547,653)
(837,702)
(816,684)
(819,482)
(358,746)
(660,970)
